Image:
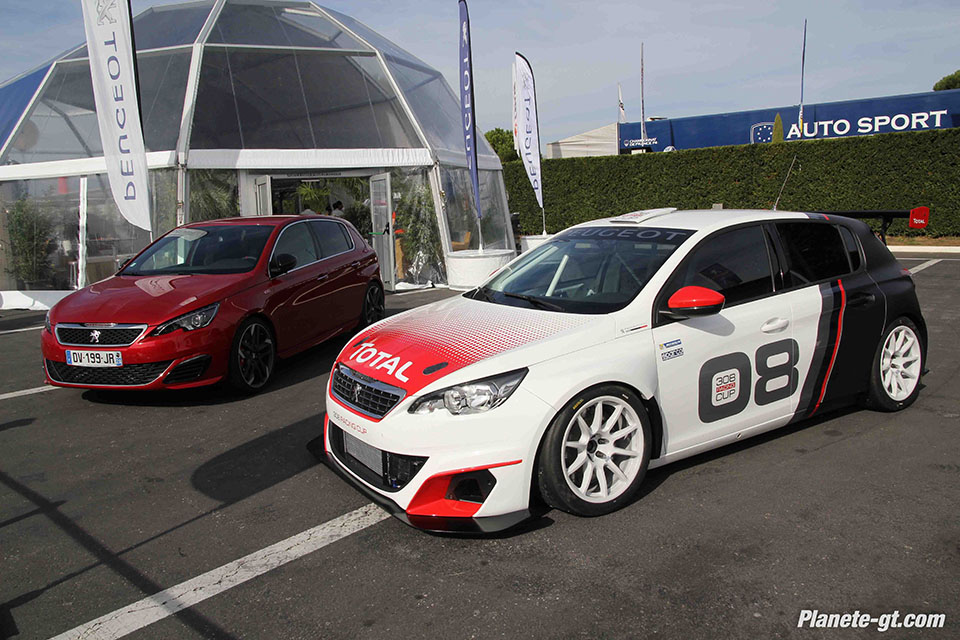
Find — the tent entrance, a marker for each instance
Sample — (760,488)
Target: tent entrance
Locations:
(381,223)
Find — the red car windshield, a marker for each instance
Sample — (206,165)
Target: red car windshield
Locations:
(214,249)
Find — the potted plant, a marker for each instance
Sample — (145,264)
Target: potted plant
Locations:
(31,244)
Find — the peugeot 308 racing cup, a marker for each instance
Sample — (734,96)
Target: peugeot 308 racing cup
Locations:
(621,344)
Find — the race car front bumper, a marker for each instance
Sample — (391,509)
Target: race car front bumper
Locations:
(438,472)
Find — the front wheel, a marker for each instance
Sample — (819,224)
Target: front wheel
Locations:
(595,452)
(897,365)
(252,356)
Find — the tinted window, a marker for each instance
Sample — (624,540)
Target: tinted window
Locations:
(595,269)
(207,249)
(297,241)
(332,237)
(814,251)
(853,249)
(735,263)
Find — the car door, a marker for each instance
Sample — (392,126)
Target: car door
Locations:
(723,373)
(296,295)
(837,307)
(343,287)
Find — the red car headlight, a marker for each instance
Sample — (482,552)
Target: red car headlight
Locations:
(189,321)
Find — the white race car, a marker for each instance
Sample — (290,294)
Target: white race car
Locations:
(621,344)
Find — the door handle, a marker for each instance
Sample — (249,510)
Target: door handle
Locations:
(860,299)
(354,264)
(774,325)
(323,276)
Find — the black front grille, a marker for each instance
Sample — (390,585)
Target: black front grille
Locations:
(398,469)
(99,336)
(129,375)
(188,371)
(365,394)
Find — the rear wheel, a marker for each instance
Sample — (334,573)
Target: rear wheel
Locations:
(897,365)
(252,356)
(373,305)
(595,452)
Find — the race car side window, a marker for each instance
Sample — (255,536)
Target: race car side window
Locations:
(852,247)
(814,252)
(736,263)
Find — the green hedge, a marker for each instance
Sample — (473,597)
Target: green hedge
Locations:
(888,171)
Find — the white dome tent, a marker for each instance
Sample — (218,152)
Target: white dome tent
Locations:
(250,107)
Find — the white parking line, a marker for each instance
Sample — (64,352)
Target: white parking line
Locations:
(19,330)
(921,267)
(186,594)
(27,392)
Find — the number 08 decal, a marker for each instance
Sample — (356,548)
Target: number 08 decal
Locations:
(725,381)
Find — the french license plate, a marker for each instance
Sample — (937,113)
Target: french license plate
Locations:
(369,456)
(94,358)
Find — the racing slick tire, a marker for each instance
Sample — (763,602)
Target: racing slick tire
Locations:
(897,366)
(253,355)
(595,453)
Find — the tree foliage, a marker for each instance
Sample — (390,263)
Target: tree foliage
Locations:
(502,142)
(951,81)
(31,242)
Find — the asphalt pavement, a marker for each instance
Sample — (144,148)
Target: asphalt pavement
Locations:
(108,498)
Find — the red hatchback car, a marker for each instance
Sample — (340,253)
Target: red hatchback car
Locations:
(215,300)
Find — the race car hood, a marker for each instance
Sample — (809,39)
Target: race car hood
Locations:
(419,347)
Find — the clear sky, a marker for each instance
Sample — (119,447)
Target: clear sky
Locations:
(701,57)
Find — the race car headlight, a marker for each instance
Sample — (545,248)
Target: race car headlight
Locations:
(188,321)
(472,397)
(46,323)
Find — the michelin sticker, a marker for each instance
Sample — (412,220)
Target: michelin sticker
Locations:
(670,350)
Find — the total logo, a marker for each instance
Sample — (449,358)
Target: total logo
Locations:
(368,354)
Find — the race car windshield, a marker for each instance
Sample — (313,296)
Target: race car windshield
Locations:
(214,249)
(590,270)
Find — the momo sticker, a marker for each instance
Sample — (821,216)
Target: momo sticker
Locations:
(671,354)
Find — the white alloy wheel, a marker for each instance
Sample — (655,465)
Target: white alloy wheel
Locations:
(900,363)
(603,449)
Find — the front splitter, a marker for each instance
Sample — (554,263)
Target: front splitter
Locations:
(433,524)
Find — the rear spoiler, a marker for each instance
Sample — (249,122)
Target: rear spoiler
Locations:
(918,217)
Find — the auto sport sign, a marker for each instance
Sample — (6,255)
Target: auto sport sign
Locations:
(915,112)
(110,46)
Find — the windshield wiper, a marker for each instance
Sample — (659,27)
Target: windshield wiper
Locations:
(538,302)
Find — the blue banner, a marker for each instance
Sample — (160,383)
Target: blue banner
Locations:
(467,105)
(913,112)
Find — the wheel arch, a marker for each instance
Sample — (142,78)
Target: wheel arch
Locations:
(650,405)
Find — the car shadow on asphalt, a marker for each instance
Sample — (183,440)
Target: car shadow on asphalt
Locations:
(656,477)
(258,464)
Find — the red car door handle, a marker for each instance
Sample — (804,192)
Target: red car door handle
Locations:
(323,276)
(355,264)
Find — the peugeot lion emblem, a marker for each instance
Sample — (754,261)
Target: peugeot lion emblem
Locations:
(94,336)
(356,392)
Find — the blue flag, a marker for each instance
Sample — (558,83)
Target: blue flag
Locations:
(467,104)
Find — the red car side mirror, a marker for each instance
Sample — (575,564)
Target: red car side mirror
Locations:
(691,302)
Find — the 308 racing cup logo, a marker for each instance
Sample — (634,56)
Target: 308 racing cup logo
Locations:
(726,387)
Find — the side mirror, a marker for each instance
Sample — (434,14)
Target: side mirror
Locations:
(281,263)
(693,302)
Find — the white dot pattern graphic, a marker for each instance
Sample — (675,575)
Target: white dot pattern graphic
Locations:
(464,333)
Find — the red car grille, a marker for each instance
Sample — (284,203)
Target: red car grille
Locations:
(129,375)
